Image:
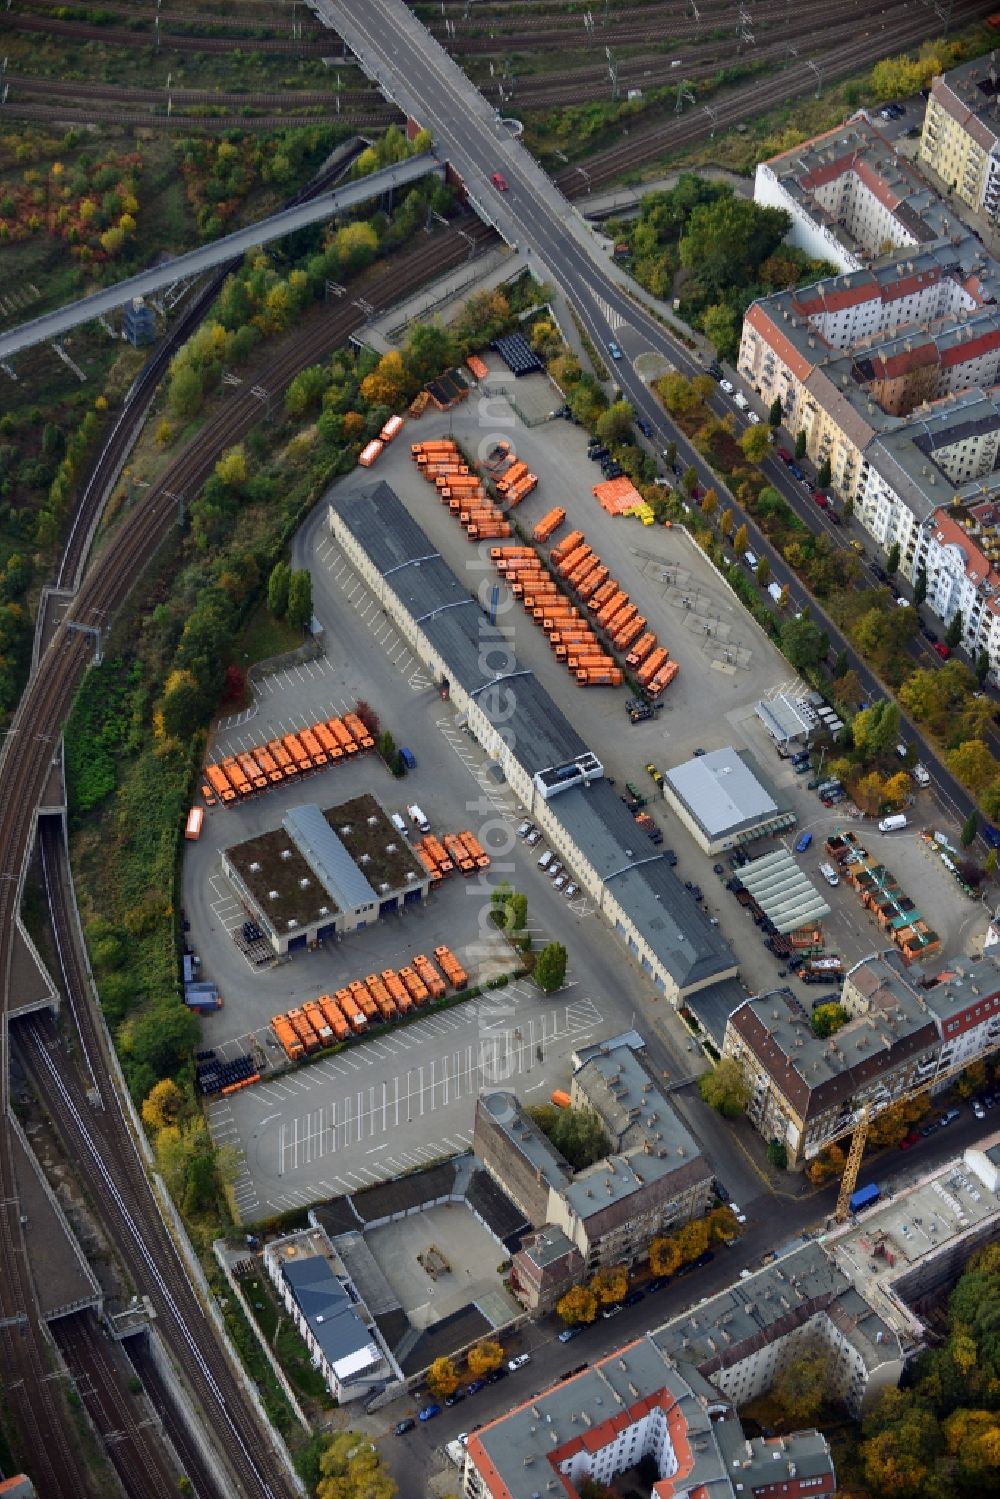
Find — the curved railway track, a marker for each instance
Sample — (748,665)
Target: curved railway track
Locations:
(125,429)
(643,144)
(100,1139)
(131,1442)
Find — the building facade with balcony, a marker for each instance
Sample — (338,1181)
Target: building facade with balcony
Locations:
(960,140)
(900,1039)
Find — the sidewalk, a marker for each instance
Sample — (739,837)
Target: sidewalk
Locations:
(624,200)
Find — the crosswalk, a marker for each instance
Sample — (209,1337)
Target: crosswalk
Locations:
(613,318)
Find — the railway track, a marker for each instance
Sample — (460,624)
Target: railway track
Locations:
(99,1139)
(112,36)
(277,20)
(74,90)
(109,463)
(163,1400)
(549,91)
(22,110)
(644,144)
(131,1442)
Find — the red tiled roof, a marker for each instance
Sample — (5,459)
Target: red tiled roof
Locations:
(961,353)
(771,332)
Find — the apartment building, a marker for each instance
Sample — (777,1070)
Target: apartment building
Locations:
(961,134)
(638,1404)
(900,1038)
(852,200)
(653,1178)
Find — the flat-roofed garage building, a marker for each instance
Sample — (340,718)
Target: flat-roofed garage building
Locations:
(544,760)
(325,873)
(723,800)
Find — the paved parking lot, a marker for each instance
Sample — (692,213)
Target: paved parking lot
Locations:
(400,1100)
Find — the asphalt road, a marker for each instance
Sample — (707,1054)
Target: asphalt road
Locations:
(770,1226)
(531,213)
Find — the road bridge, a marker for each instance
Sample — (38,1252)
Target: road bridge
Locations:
(52,325)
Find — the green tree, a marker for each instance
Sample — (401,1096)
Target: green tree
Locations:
(386,747)
(756,443)
(725,242)
(982,667)
(428,353)
(800,445)
(578,1306)
(550,967)
(802,643)
(824,474)
(956,627)
(970,828)
(184,707)
(828,1019)
(777,1154)
(670,453)
(300,603)
(156,1044)
(724,1088)
(517,907)
(231,469)
(277,589)
(185,391)
(775,413)
(920,586)
(763,572)
(801,1387)
(690,479)
(578,1134)
(892,559)
(615,425)
(720,324)
(351,1468)
(973,764)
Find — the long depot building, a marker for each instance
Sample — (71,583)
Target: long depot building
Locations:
(325,873)
(544,760)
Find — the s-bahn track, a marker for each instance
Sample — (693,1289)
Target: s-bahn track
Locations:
(99,1139)
(162,1397)
(645,144)
(67,114)
(278,21)
(137,402)
(74,92)
(111,36)
(547,91)
(130,1439)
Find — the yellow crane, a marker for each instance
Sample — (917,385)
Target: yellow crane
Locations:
(852,1166)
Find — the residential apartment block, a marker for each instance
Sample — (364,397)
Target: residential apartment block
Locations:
(892,369)
(673,1395)
(961,134)
(901,1038)
(654,1177)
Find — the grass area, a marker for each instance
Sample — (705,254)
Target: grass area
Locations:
(252,1357)
(263,636)
(281,1336)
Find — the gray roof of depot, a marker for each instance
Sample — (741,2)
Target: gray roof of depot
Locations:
(722,792)
(329,860)
(540,735)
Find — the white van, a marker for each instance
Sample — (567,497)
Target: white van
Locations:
(829,874)
(398,823)
(921,774)
(750,558)
(741,400)
(544,860)
(775,590)
(418,819)
(892,824)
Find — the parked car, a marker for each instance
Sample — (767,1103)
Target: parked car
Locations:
(715,370)
(644,427)
(727,386)
(569,1333)
(475,1387)
(737,1211)
(495,1375)
(978,1109)
(633,1298)
(402,1427)
(753,418)
(559,882)
(928,634)
(784,455)
(429,1412)
(908,1141)
(525,829)
(455,1397)
(795,471)
(820,499)
(803,843)
(944,651)
(857,547)
(533,837)
(611,1311)
(518,1362)
(408,758)
(571,890)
